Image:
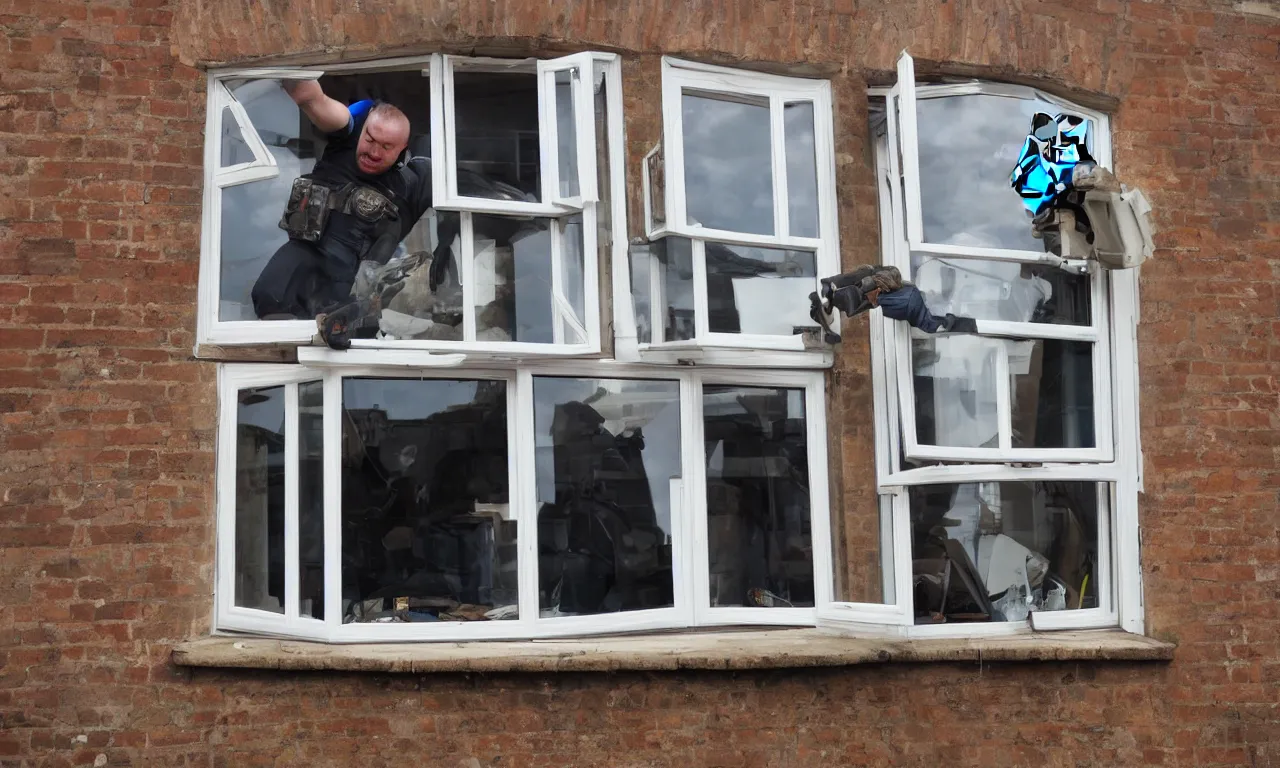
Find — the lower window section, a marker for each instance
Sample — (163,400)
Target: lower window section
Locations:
(995,551)
(607,451)
(427,531)
(759,529)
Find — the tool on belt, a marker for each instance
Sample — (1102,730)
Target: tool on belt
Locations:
(311,202)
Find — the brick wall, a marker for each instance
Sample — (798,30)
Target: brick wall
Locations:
(106,526)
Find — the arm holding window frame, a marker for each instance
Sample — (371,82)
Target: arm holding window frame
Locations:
(325,112)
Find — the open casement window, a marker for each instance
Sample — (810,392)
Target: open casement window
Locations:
(379,504)
(740,213)
(532,120)
(518,204)
(1007,459)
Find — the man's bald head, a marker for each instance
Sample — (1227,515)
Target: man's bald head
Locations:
(384,136)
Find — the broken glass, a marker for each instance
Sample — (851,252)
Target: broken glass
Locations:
(802,168)
(259,536)
(1001,290)
(427,528)
(759,532)
(234,148)
(967,144)
(607,453)
(759,290)
(728,162)
(496,128)
(311,499)
(956,390)
(995,551)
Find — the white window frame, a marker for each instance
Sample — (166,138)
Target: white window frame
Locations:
(1118,475)
(211,330)
(732,348)
(691,588)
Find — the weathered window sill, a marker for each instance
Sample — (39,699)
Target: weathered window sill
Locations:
(767,649)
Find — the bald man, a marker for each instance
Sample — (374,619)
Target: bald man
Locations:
(361,199)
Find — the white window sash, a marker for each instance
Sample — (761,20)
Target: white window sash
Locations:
(227,615)
(580,67)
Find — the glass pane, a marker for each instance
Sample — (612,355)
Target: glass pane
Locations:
(496,123)
(234,149)
(427,529)
(728,166)
(251,212)
(567,133)
(995,551)
(1051,381)
(512,292)
(802,169)
(573,323)
(606,452)
(643,266)
(259,553)
(759,290)
(311,499)
(968,147)
(996,290)
(415,311)
(758,516)
(671,283)
(955,390)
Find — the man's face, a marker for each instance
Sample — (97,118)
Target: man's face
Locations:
(381,142)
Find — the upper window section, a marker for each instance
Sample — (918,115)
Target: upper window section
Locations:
(740,213)
(748,157)
(434,203)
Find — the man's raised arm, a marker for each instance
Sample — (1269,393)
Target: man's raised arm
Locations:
(326,113)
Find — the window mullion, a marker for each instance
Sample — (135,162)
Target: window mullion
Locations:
(332,425)
(778,155)
(523,494)
(693,581)
(815,416)
(291,502)
(1004,395)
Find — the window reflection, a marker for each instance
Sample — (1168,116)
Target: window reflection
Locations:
(1051,381)
(567,138)
(996,290)
(497,128)
(606,452)
(427,529)
(259,538)
(968,145)
(311,499)
(956,390)
(513,282)
(728,172)
(996,551)
(759,290)
(802,169)
(758,514)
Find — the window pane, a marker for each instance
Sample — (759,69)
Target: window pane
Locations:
(1052,393)
(802,169)
(759,290)
(993,551)
(567,134)
(758,514)
(512,293)
(662,280)
(606,452)
(955,391)
(995,290)
(968,147)
(572,317)
(311,499)
(416,311)
(234,149)
(251,212)
(728,166)
(496,121)
(427,529)
(259,554)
